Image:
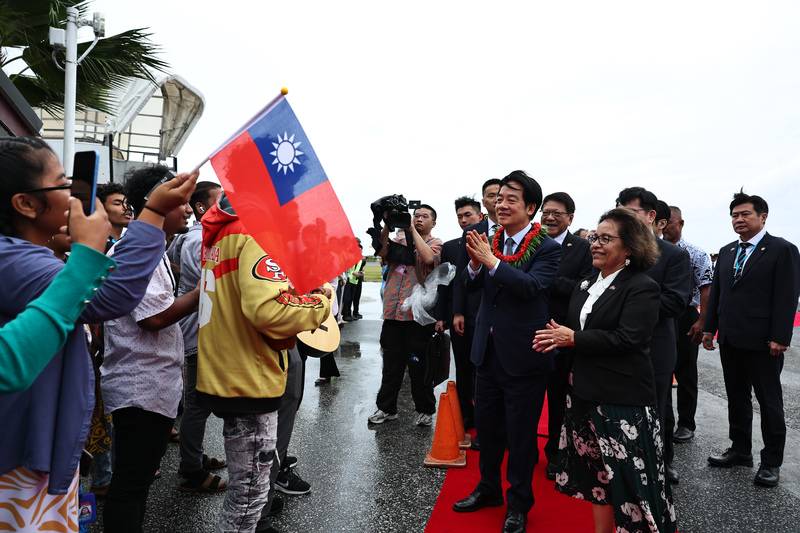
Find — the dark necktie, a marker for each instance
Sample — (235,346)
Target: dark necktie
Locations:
(493,229)
(738,266)
(510,245)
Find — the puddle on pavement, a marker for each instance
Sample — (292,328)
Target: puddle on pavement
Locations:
(350,349)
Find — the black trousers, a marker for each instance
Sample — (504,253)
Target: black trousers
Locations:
(140,440)
(328,367)
(556,400)
(507,410)
(465,373)
(403,344)
(686,369)
(351,300)
(745,371)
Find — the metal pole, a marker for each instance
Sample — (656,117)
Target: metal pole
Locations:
(70,88)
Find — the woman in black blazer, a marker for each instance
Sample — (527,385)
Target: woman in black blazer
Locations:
(610,451)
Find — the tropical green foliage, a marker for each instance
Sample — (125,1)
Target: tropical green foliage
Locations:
(24,27)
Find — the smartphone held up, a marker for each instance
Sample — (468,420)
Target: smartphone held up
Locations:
(84,179)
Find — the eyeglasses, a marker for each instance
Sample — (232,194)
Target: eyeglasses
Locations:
(556,214)
(602,239)
(64,187)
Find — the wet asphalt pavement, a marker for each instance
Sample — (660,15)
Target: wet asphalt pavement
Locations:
(371,479)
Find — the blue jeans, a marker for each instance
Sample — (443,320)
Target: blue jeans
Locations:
(250,450)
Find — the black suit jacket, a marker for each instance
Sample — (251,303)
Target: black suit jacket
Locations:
(761,305)
(673,274)
(513,307)
(611,357)
(451,253)
(467,300)
(576,264)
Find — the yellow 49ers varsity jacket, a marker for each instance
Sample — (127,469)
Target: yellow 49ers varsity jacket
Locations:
(248,316)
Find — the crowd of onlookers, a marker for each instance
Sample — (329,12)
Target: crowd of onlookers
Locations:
(102,346)
(118,323)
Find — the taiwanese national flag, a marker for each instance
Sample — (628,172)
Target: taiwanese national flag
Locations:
(283,197)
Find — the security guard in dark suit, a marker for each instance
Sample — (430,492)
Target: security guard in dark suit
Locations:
(752,306)
(468,212)
(558,210)
(673,273)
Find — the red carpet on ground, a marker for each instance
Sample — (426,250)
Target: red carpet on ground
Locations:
(552,512)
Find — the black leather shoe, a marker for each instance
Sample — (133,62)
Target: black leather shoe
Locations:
(515,522)
(552,470)
(729,458)
(767,476)
(672,474)
(477,500)
(682,435)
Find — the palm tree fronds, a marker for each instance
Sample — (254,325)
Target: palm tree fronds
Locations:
(110,65)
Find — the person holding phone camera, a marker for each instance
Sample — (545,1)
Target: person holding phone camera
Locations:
(29,342)
(46,424)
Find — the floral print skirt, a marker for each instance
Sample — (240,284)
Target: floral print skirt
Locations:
(613,455)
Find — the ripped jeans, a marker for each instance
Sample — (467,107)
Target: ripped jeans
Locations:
(249,450)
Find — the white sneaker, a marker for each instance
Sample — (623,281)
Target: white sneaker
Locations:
(379,417)
(423,419)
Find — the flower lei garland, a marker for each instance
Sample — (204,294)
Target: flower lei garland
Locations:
(533,239)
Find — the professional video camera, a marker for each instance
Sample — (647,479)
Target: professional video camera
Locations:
(393,210)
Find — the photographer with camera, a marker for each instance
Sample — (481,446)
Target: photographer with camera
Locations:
(411,256)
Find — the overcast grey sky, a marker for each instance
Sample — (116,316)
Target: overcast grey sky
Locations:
(689,99)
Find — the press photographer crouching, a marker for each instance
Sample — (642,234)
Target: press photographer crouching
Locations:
(410,256)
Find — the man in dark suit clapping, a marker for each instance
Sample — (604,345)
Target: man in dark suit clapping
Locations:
(752,306)
(514,272)
(469,213)
(672,272)
(558,210)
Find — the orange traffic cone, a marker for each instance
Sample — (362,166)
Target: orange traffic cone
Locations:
(444,449)
(464,438)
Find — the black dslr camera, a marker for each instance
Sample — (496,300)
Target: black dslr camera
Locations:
(393,210)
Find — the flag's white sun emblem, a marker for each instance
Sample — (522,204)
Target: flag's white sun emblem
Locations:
(286,152)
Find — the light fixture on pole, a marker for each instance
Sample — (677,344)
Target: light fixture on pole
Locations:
(67,40)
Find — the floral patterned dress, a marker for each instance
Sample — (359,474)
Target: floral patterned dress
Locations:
(613,455)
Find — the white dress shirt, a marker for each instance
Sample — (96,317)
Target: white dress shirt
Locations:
(491,228)
(595,291)
(750,249)
(560,238)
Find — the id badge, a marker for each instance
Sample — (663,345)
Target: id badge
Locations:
(87,511)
